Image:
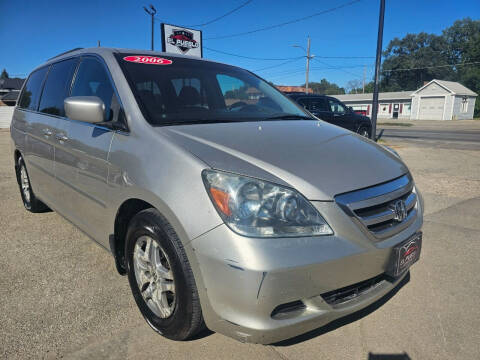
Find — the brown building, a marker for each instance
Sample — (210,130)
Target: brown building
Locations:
(289,89)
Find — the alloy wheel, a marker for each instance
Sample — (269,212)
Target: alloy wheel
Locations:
(25,184)
(154,276)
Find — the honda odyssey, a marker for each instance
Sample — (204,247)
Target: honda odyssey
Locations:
(224,202)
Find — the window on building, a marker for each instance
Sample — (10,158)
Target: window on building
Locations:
(464,104)
(407,108)
(31,92)
(57,87)
(383,109)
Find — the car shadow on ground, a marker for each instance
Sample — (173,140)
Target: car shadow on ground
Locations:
(349,319)
(403,356)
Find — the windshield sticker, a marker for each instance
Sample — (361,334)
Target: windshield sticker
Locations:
(143,59)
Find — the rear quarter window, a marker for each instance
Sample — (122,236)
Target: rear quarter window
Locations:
(31,91)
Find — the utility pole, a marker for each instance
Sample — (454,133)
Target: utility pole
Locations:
(152,13)
(364,74)
(308,63)
(378,60)
(309,57)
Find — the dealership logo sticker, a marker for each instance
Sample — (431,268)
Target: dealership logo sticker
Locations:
(144,59)
(183,40)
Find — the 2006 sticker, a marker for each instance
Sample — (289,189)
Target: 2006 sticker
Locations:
(143,59)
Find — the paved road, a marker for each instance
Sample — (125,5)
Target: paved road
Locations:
(60,296)
(442,135)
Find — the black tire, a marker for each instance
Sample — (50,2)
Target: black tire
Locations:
(30,201)
(186,319)
(364,131)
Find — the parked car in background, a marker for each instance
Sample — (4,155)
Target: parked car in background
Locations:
(225,203)
(334,111)
(360,112)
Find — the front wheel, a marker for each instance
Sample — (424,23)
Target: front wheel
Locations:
(160,277)
(364,131)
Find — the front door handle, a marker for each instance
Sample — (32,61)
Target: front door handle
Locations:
(61,137)
(47,132)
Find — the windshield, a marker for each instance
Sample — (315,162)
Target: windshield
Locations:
(191,91)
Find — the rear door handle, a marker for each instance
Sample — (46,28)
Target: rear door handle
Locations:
(61,137)
(47,132)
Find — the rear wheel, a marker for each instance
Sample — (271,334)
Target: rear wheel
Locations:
(29,199)
(160,277)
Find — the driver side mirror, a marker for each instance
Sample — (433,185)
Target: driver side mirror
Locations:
(90,109)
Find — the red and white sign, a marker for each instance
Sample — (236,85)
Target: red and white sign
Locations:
(181,40)
(144,59)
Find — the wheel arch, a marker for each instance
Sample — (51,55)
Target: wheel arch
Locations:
(127,210)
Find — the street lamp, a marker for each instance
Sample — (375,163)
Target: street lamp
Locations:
(152,13)
(308,56)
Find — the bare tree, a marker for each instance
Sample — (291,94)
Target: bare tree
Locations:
(353,86)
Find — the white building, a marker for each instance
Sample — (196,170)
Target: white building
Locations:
(436,100)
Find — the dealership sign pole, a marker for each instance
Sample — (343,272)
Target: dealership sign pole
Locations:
(181,40)
(152,13)
(378,61)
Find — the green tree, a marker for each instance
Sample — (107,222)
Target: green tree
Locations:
(420,52)
(359,90)
(463,39)
(428,54)
(4,74)
(325,87)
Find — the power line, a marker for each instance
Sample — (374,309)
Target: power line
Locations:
(292,58)
(345,57)
(277,65)
(335,67)
(215,19)
(224,15)
(250,57)
(433,67)
(286,22)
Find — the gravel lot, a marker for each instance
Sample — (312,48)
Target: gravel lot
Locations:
(60,296)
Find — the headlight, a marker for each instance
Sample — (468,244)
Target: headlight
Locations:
(257,208)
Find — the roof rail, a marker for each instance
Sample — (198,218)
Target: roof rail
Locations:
(66,52)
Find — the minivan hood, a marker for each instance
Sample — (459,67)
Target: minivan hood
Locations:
(318,159)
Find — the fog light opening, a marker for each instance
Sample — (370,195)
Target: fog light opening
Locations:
(288,310)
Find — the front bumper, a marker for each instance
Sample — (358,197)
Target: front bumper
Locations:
(246,280)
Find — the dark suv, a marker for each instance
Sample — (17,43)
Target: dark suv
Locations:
(334,111)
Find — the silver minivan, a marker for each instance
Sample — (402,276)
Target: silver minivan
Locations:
(226,204)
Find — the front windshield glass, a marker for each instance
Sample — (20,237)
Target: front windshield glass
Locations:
(190,91)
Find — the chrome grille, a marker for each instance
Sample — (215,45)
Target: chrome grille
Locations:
(374,207)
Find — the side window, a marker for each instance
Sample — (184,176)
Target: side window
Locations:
(305,103)
(92,80)
(57,87)
(319,104)
(31,91)
(336,107)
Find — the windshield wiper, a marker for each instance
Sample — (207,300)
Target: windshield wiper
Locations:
(289,117)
